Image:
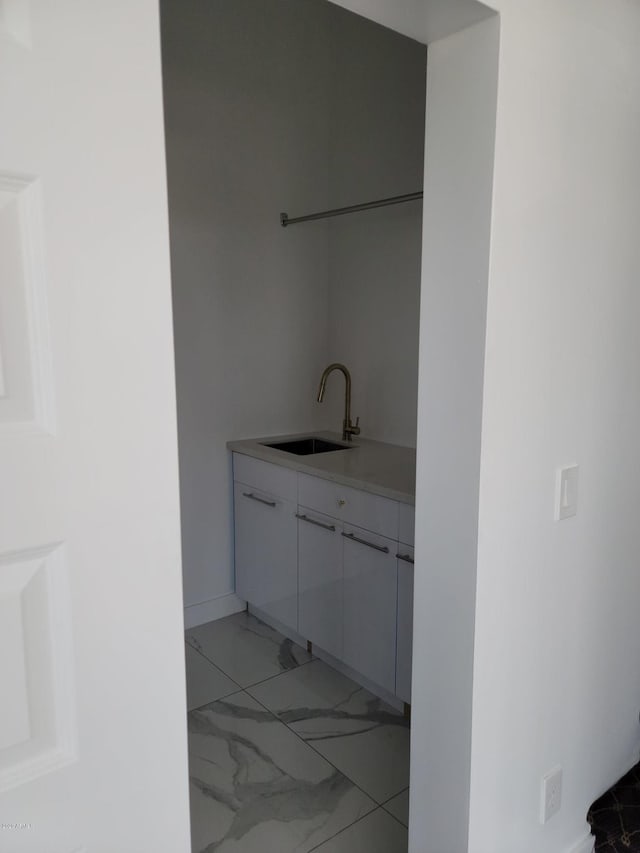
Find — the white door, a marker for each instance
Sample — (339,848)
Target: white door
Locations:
(92,708)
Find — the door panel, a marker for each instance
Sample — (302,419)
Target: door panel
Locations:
(26,387)
(37,715)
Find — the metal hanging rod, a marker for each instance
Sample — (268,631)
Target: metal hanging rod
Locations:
(354,208)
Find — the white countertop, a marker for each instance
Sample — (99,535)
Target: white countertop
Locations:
(372,466)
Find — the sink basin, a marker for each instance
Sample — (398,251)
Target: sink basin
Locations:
(307,446)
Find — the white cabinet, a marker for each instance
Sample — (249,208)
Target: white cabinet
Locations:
(320,583)
(370,590)
(404,640)
(323,559)
(266,542)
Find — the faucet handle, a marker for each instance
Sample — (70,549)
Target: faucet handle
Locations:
(355,430)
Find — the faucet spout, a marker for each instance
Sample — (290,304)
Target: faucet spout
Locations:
(348,429)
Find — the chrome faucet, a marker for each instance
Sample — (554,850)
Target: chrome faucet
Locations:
(348,429)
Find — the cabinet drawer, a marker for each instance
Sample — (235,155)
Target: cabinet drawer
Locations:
(406,523)
(371,512)
(273,479)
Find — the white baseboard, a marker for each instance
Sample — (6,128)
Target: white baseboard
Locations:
(214,608)
(586,845)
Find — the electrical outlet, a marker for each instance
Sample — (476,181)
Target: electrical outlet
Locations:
(551,794)
(566,492)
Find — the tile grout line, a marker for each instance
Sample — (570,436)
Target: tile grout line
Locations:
(253,683)
(317,751)
(376,806)
(268,640)
(344,829)
(219,699)
(324,758)
(278,674)
(380,807)
(245,689)
(395,795)
(393,817)
(208,660)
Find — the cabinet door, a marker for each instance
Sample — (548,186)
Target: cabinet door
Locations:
(320,580)
(266,553)
(405,623)
(370,600)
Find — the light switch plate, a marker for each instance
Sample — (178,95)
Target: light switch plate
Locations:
(567,492)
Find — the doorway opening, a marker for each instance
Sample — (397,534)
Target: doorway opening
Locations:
(301,107)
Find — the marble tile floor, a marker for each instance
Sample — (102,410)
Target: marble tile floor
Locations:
(285,753)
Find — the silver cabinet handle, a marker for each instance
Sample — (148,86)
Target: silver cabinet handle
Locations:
(306,518)
(405,557)
(260,500)
(353,538)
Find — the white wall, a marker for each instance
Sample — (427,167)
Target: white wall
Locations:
(267,105)
(246,89)
(557,646)
(461,110)
(376,149)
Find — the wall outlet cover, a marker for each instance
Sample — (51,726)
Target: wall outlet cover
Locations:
(550,794)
